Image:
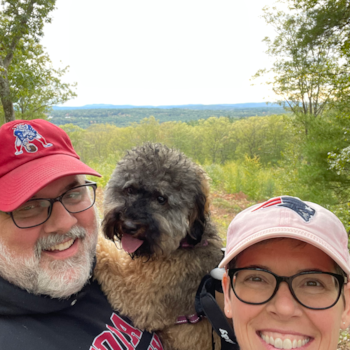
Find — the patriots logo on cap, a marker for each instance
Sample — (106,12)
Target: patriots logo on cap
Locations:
(295,204)
(25,136)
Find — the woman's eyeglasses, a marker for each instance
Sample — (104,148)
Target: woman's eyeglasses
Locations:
(313,289)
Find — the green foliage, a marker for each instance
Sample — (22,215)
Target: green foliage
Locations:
(339,157)
(340,161)
(308,75)
(311,74)
(35,85)
(105,168)
(23,19)
(261,157)
(247,176)
(306,160)
(27,79)
(100,141)
(263,137)
(147,130)
(125,117)
(342,212)
(2,116)
(214,140)
(330,17)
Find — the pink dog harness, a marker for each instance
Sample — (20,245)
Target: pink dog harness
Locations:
(188,319)
(194,318)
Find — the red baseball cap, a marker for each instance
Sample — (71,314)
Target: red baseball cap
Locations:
(33,154)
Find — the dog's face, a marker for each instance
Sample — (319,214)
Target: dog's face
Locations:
(155,199)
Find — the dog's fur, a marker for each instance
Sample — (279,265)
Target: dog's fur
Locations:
(159,196)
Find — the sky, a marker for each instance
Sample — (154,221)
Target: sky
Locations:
(161,52)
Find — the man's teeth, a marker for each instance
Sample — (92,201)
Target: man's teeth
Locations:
(62,246)
(285,343)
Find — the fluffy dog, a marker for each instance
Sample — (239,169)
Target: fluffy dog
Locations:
(156,208)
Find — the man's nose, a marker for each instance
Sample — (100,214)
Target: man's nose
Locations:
(60,221)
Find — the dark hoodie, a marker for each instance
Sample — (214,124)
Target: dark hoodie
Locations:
(84,321)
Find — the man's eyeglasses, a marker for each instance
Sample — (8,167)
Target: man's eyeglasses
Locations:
(313,289)
(37,211)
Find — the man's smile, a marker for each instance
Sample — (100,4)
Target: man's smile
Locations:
(62,246)
(63,250)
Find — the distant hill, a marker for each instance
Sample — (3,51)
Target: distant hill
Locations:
(121,117)
(196,107)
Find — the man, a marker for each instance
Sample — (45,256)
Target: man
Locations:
(48,236)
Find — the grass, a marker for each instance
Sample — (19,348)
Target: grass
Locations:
(99,201)
(224,208)
(344,340)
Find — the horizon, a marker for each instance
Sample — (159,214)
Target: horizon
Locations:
(168,105)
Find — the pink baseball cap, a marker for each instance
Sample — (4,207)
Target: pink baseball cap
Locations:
(289,217)
(33,154)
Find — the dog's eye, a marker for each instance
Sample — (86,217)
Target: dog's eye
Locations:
(130,190)
(161,200)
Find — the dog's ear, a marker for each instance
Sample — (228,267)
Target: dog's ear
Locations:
(197,220)
(109,225)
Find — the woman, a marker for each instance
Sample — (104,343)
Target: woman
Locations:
(287,266)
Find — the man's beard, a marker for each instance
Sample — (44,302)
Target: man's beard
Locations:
(56,278)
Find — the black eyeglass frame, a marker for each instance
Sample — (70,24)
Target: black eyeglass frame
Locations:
(341,280)
(59,199)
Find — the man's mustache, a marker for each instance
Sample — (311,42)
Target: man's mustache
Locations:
(44,243)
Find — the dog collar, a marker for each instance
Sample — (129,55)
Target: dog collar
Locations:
(184,243)
(188,319)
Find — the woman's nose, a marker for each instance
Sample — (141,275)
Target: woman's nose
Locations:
(283,304)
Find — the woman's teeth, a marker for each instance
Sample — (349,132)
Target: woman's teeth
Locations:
(286,343)
(62,246)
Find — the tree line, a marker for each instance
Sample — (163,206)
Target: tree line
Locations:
(124,117)
(260,156)
(213,140)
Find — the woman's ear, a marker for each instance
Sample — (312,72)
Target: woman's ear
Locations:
(345,321)
(227,295)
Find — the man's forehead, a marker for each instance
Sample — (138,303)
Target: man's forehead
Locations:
(61,185)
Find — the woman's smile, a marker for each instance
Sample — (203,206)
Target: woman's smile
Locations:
(284,340)
(282,322)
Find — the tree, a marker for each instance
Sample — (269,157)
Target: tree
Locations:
(321,26)
(340,162)
(251,136)
(330,17)
(216,134)
(26,76)
(308,75)
(147,130)
(331,23)
(35,84)
(306,162)
(178,135)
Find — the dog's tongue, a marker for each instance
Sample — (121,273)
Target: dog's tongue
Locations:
(130,244)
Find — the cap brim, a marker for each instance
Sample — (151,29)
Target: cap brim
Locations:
(286,232)
(23,182)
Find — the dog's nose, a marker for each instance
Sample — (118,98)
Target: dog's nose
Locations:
(129,227)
